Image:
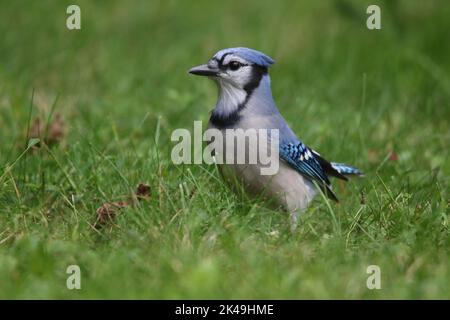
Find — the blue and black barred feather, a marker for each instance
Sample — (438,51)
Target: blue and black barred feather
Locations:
(345,169)
(312,165)
(338,170)
(303,159)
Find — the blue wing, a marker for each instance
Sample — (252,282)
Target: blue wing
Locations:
(304,160)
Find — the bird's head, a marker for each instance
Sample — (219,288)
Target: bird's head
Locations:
(239,72)
(241,68)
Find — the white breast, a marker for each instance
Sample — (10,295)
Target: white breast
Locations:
(287,187)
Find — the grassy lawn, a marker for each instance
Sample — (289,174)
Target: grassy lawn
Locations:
(377,99)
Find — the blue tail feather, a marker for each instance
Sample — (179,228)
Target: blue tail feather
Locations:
(345,169)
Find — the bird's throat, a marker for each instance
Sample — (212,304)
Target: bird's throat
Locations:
(231,101)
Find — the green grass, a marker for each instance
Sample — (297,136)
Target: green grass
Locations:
(121,85)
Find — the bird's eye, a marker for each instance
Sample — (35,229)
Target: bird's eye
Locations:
(234,65)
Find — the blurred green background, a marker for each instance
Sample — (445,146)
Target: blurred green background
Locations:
(119,86)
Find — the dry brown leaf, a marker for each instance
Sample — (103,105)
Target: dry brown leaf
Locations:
(108,211)
(52,133)
(393,156)
(143,192)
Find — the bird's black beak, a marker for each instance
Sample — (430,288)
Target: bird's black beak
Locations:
(204,70)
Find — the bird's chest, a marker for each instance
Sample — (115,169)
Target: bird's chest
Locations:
(244,144)
(248,150)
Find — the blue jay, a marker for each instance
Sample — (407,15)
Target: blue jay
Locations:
(245,101)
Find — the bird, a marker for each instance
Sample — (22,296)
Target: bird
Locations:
(245,101)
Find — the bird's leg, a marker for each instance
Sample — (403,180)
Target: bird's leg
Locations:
(293,217)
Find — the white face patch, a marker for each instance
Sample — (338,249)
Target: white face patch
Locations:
(237,78)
